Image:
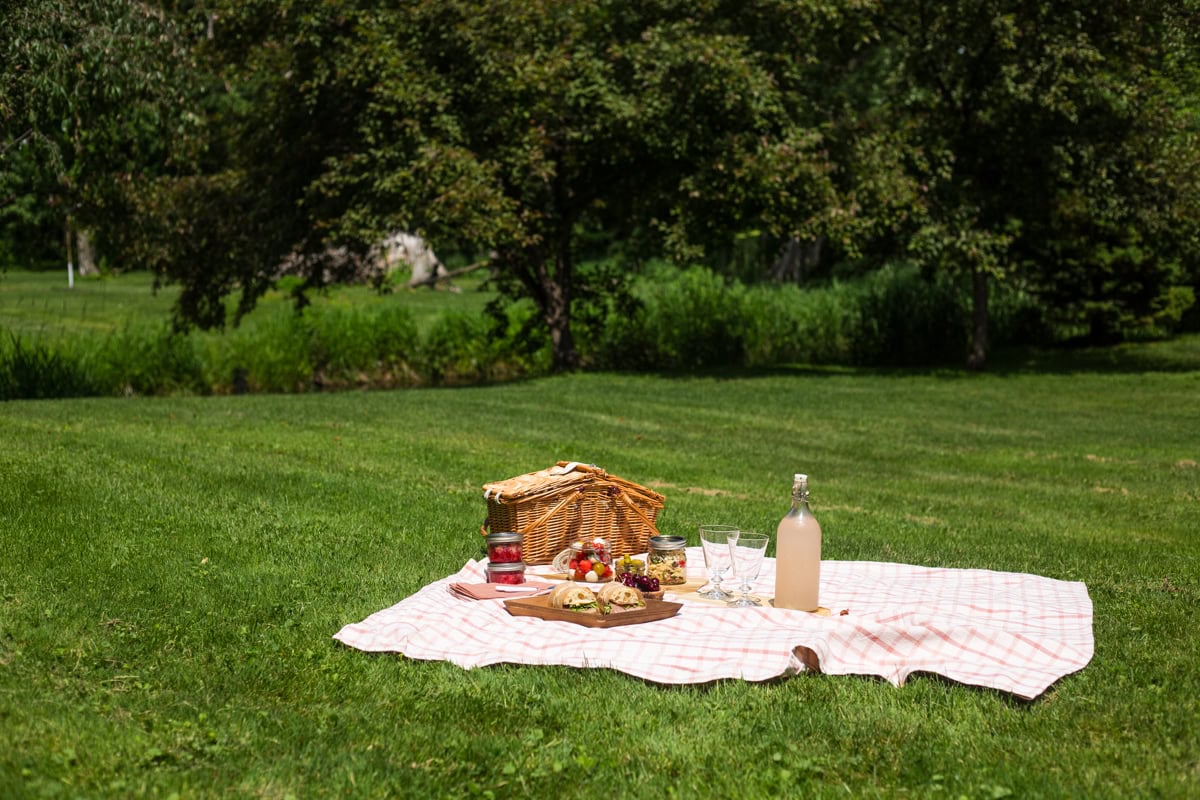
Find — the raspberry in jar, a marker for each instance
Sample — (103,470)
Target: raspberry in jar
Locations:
(504,547)
(511,572)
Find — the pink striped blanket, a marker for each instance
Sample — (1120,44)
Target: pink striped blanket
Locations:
(1013,632)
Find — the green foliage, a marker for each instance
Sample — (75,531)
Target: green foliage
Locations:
(92,95)
(144,359)
(511,127)
(29,233)
(1052,147)
(685,319)
(895,316)
(40,370)
(322,348)
(674,320)
(457,349)
(1059,147)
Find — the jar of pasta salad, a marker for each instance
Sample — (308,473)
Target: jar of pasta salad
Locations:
(667,560)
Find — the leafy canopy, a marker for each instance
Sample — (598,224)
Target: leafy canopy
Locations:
(509,126)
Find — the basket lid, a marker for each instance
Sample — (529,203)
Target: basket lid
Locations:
(564,475)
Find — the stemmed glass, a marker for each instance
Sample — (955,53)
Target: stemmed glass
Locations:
(746,553)
(715,539)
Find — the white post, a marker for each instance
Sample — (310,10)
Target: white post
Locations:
(70,265)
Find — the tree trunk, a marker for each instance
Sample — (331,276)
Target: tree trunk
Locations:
(977,358)
(562,341)
(798,259)
(85,249)
(557,312)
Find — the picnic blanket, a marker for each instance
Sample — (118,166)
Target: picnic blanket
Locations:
(1009,631)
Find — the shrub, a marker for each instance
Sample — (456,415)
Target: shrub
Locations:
(39,370)
(694,318)
(355,347)
(146,360)
(456,350)
(273,356)
(684,319)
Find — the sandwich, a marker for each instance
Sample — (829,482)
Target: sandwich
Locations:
(617,597)
(573,597)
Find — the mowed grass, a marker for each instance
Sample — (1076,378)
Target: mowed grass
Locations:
(172,570)
(40,306)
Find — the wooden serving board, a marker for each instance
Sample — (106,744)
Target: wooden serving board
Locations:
(540,607)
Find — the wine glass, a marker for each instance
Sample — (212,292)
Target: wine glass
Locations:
(746,553)
(715,539)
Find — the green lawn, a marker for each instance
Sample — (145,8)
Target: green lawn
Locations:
(40,305)
(172,570)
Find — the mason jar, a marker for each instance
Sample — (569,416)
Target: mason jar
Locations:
(504,547)
(667,560)
(512,572)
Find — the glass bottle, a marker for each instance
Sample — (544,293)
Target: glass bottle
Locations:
(798,553)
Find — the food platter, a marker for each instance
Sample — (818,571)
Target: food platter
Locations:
(540,607)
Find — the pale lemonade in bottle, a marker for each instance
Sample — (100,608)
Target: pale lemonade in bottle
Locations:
(798,553)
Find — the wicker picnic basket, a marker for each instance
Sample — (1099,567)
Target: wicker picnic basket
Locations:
(569,501)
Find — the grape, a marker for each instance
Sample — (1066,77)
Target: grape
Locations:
(646,583)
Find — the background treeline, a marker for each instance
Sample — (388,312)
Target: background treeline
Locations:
(899,182)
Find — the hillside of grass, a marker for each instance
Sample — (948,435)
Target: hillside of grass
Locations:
(172,570)
(40,304)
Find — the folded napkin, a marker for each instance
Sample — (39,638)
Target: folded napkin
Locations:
(493,591)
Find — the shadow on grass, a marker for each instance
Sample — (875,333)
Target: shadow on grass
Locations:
(1180,355)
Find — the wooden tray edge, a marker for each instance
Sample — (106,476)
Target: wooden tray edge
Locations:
(540,608)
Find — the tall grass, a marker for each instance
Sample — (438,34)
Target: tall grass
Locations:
(320,349)
(892,317)
(41,371)
(680,320)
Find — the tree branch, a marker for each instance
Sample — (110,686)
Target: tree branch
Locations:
(434,277)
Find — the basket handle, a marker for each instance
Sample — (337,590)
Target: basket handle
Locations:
(571,496)
(653,528)
(576,494)
(563,467)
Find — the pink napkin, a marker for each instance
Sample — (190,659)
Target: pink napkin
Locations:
(493,591)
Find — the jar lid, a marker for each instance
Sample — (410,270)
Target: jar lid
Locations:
(667,542)
(503,537)
(506,566)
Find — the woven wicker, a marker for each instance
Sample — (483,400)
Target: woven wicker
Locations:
(554,507)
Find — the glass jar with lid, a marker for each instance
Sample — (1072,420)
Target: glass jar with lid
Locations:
(504,547)
(667,560)
(587,560)
(510,572)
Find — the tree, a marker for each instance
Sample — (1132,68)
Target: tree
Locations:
(91,91)
(1054,147)
(513,126)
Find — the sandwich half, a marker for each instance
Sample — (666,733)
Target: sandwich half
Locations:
(617,597)
(573,597)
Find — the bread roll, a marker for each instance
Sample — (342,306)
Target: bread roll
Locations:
(573,597)
(618,596)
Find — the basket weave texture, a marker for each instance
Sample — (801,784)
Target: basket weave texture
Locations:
(570,501)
